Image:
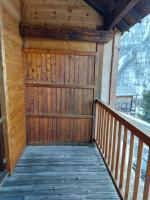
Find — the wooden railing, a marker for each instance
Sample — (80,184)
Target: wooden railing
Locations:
(117,139)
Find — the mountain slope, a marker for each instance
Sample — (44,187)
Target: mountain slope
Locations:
(134,63)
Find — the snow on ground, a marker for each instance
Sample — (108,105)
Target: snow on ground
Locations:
(145,127)
(142,125)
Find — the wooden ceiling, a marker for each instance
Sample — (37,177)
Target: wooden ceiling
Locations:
(120,13)
(82,20)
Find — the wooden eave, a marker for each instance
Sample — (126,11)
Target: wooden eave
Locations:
(120,14)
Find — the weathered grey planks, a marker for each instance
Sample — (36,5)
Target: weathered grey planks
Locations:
(59,172)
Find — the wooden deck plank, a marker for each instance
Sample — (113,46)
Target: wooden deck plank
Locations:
(59,172)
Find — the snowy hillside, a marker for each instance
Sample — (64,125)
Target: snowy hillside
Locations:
(134,63)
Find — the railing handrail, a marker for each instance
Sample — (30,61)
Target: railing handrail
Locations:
(134,130)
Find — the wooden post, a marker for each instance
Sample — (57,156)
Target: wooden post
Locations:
(146,193)
(130,161)
(95,121)
(125,137)
(138,170)
(114,69)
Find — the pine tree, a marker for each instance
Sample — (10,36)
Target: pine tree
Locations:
(146,106)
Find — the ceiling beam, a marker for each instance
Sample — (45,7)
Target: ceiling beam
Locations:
(121,10)
(102,10)
(76,34)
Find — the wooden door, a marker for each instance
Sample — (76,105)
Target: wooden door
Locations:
(60,89)
(1,145)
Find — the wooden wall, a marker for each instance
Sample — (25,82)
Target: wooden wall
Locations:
(60,13)
(13,79)
(60,91)
(73,13)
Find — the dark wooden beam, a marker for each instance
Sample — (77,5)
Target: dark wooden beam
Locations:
(121,10)
(76,34)
(123,26)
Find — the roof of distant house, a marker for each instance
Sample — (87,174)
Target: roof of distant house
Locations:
(126,91)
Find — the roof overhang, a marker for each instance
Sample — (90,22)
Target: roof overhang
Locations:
(120,14)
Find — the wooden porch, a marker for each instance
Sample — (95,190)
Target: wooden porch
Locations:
(108,168)
(57,58)
(59,172)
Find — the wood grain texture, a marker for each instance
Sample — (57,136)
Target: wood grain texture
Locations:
(59,44)
(59,172)
(62,13)
(13,75)
(72,34)
(60,89)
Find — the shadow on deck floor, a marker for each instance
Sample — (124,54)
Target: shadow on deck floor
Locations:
(59,172)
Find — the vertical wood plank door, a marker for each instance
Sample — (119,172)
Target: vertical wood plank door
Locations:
(60,90)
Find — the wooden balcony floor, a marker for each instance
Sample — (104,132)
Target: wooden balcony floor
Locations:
(59,172)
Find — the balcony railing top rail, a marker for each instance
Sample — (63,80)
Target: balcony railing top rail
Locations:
(141,134)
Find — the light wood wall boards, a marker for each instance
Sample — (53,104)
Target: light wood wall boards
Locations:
(60,91)
(63,13)
(13,78)
(59,44)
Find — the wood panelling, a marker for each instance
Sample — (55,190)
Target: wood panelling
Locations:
(58,130)
(13,77)
(59,44)
(60,87)
(59,100)
(62,13)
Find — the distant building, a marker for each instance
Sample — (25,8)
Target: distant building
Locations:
(126,100)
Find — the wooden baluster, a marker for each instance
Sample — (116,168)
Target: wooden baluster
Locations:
(146,193)
(111,147)
(138,170)
(96,121)
(118,151)
(110,139)
(101,126)
(105,128)
(114,145)
(123,157)
(102,129)
(99,123)
(130,160)
(107,136)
